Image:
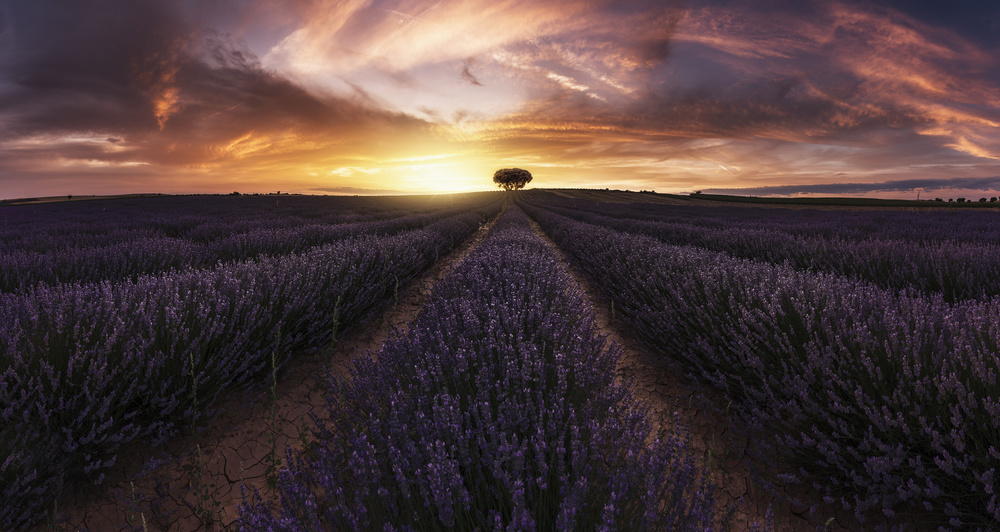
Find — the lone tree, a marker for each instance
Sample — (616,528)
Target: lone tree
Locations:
(511,178)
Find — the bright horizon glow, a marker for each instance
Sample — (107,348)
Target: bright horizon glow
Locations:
(394,97)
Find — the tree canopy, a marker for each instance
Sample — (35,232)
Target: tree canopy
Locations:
(511,178)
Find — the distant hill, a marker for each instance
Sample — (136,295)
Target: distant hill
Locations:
(627,196)
(57,199)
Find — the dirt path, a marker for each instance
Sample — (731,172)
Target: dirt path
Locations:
(714,442)
(194,482)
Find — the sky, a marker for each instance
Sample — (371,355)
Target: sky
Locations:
(763,97)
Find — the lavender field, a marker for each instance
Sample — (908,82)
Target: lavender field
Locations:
(130,318)
(858,350)
(496,410)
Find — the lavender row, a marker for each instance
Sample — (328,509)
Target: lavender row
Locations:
(133,257)
(924,225)
(55,226)
(87,368)
(52,227)
(955,270)
(885,403)
(496,410)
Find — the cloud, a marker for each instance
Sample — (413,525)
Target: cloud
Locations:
(713,93)
(345,37)
(518,47)
(155,88)
(808,75)
(67,72)
(361,191)
(345,171)
(467,74)
(902,185)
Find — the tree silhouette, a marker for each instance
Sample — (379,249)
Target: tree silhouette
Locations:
(511,178)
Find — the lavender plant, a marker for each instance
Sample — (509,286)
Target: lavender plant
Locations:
(86,368)
(497,409)
(888,256)
(163,240)
(912,225)
(885,402)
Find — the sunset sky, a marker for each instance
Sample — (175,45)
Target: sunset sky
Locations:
(371,97)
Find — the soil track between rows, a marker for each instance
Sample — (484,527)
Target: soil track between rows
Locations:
(201,474)
(672,398)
